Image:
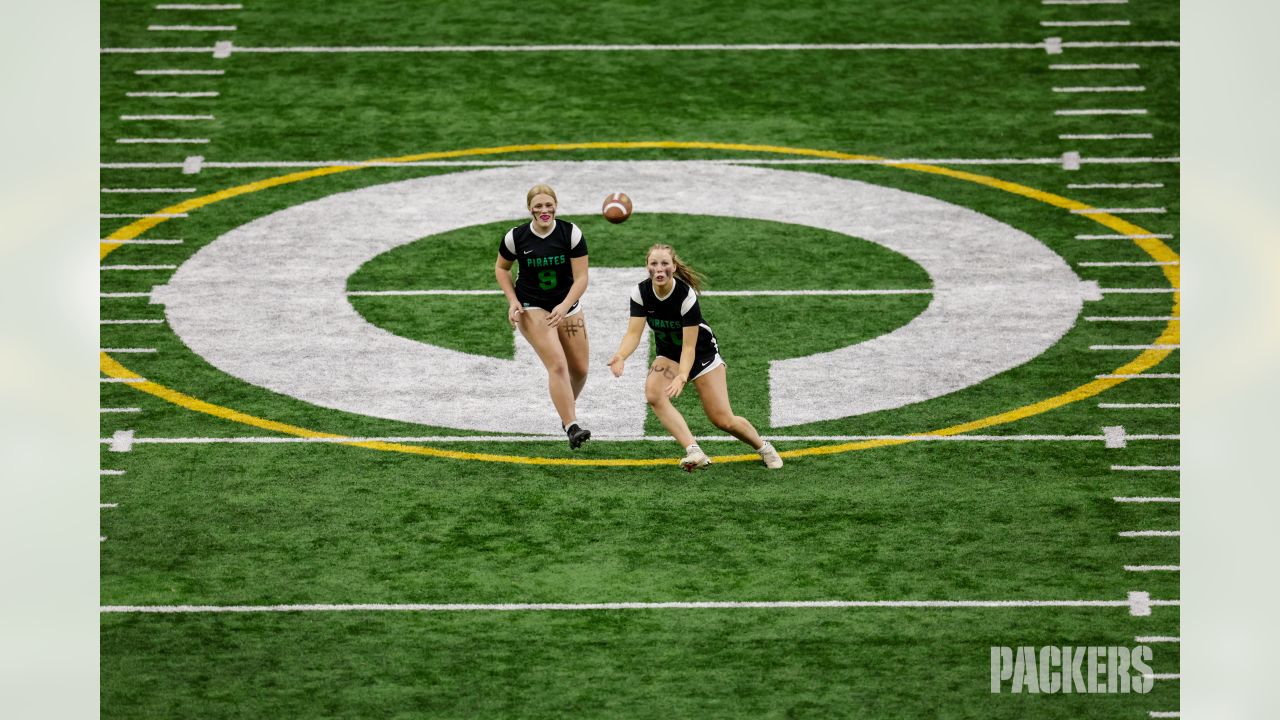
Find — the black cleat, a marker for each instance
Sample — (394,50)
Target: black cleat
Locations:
(577,436)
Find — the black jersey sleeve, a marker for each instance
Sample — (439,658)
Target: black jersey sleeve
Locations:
(690,312)
(577,243)
(637,302)
(506,246)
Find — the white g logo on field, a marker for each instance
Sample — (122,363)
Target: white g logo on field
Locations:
(266,302)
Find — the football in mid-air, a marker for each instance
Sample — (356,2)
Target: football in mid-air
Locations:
(616,208)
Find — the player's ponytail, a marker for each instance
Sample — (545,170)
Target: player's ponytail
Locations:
(685,272)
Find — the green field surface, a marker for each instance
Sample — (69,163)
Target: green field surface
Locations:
(209,503)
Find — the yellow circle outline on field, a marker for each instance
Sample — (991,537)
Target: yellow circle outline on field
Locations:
(1144,361)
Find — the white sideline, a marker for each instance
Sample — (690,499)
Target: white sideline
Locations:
(1140,291)
(1163,676)
(719,293)
(1102,111)
(127,350)
(103,506)
(121,380)
(148,190)
(1084,2)
(1126,406)
(130,322)
(1145,468)
(277,439)
(167,117)
(179,72)
(191,28)
(117,216)
(124,294)
(1135,347)
(1128,264)
(1138,604)
(1153,568)
(198,7)
(1102,89)
(702,47)
(724,161)
(1115,186)
(1139,376)
(105,241)
(120,410)
(111,472)
(137,267)
(162,141)
(167,94)
(1132,318)
(1151,533)
(1097,66)
(1164,714)
(1147,499)
(1157,639)
(1113,211)
(1105,136)
(1084,23)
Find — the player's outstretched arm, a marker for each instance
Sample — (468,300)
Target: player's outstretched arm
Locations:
(630,341)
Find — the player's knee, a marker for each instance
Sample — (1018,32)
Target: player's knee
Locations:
(655,396)
(723,420)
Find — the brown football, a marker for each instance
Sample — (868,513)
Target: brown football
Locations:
(616,208)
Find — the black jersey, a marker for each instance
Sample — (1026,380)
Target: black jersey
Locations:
(545,274)
(667,318)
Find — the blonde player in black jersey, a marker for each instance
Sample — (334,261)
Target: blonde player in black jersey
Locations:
(543,300)
(687,350)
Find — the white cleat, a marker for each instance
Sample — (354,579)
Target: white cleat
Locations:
(694,459)
(770,457)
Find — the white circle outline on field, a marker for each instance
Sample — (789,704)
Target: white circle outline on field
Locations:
(266,301)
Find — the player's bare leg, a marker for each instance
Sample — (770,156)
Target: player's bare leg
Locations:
(713,389)
(546,343)
(573,338)
(661,373)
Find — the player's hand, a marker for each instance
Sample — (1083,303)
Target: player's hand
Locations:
(514,311)
(676,386)
(556,315)
(616,364)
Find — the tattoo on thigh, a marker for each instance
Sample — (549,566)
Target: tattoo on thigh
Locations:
(573,326)
(666,370)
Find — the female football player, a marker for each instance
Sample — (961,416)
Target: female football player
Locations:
(687,350)
(543,300)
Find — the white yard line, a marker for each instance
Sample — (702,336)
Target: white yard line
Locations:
(1140,376)
(1103,111)
(179,72)
(724,161)
(1138,236)
(191,28)
(148,190)
(167,117)
(1147,500)
(1146,468)
(274,439)
(162,141)
(1129,264)
(1153,568)
(167,94)
(1138,406)
(1084,23)
(701,47)
(1137,605)
(1097,66)
(1113,186)
(1120,210)
(1150,533)
(1102,89)
(1105,136)
(114,216)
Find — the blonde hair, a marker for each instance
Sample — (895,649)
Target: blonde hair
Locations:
(684,271)
(540,189)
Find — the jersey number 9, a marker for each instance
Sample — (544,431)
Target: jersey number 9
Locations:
(547,279)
